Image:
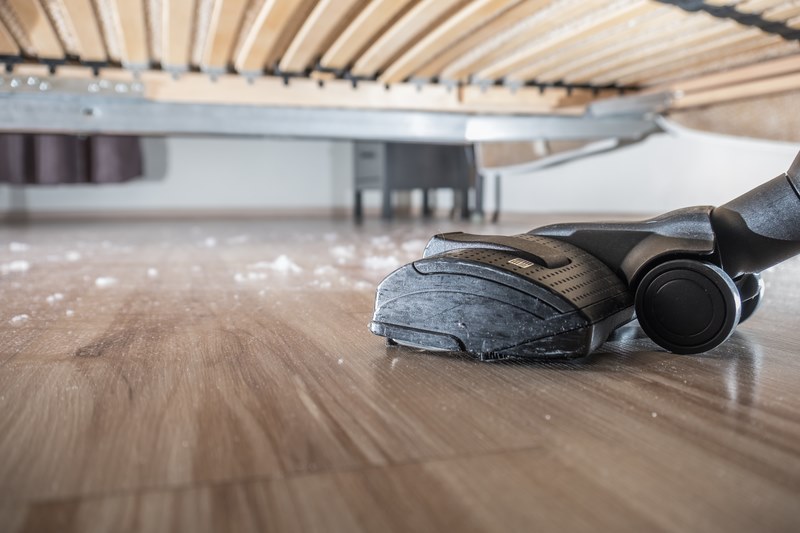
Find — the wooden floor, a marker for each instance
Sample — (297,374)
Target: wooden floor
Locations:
(216,376)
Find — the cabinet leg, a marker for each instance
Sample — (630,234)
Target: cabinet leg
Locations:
(386,207)
(358,207)
(496,215)
(426,203)
(465,203)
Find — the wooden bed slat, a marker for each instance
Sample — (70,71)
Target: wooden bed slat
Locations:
(154,28)
(646,30)
(625,42)
(361,31)
(469,18)
(40,38)
(403,32)
(516,64)
(265,40)
(7,44)
(644,56)
(87,29)
(597,21)
(721,48)
(542,22)
(739,55)
(62,25)
(748,73)
(490,29)
(782,12)
(129,18)
(176,33)
(326,17)
(776,85)
(716,58)
(226,18)
(756,6)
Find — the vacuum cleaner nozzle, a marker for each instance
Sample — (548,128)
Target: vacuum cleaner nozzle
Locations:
(690,277)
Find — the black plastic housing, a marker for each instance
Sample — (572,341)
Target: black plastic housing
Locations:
(760,228)
(499,297)
(560,290)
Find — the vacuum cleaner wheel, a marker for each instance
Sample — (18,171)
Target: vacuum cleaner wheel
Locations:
(688,306)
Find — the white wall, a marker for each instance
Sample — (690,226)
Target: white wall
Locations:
(185,173)
(662,173)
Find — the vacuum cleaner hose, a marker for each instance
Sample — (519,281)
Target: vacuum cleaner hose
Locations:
(761,228)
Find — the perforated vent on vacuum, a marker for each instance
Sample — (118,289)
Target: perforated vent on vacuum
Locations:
(584,281)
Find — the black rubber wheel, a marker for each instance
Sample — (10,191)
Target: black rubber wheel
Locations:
(751,291)
(688,306)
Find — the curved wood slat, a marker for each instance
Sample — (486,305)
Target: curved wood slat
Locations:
(721,46)
(265,41)
(734,55)
(576,41)
(756,6)
(638,32)
(513,67)
(414,23)
(223,32)
(598,25)
(780,84)
(775,67)
(8,46)
(62,25)
(154,27)
(361,31)
(469,18)
(490,29)
(326,17)
(783,12)
(677,44)
(541,23)
(736,59)
(648,32)
(176,33)
(132,29)
(39,38)
(87,29)
(107,20)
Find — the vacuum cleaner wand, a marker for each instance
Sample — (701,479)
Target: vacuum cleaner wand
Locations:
(690,276)
(761,228)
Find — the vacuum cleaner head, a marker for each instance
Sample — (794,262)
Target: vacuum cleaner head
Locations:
(497,297)
(690,277)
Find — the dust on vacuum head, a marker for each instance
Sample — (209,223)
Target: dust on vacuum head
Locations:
(496,297)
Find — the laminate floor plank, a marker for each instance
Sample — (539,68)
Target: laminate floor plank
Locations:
(202,376)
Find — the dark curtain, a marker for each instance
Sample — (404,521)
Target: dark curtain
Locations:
(36,159)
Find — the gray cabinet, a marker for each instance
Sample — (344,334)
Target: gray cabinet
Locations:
(406,166)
